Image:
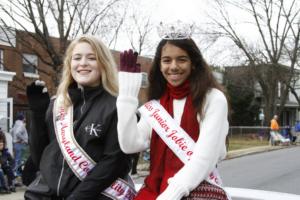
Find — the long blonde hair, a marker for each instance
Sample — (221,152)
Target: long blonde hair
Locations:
(104,59)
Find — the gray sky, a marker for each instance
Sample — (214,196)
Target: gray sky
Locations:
(184,10)
(193,11)
(168,11)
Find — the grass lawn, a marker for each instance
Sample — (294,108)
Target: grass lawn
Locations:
(236,143)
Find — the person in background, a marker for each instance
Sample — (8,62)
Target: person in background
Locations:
(296,131)
(297,126)
(288,133)
(20,141)
(3,185)
(274,124)
(9,141)
(73,138)
(275,136)
(7,165)
(185,122)
(274,131)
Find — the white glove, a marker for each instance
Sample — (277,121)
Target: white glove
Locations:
(41,83)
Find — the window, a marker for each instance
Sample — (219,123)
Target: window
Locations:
(279,89)
(145,82)
(30,62)
(7,37)
(1,60)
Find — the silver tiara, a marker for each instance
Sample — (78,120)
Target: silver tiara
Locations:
(175,31)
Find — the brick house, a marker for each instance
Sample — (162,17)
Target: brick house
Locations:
(17,70)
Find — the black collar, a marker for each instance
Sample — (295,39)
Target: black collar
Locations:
(78,94)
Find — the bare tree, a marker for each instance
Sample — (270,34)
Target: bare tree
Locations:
(294,86)
(33,23)
(276,23)
(139,33)
(105,22)
(139,28)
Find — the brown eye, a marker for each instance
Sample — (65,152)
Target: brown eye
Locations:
(183,59)
(165,60)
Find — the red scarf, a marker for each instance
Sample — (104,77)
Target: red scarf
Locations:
(164,163)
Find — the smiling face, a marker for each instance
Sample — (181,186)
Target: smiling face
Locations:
(85,69)
(175,64)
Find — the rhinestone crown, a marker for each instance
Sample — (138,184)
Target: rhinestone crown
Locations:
(175,31)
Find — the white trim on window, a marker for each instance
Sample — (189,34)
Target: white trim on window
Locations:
(31,75)
(1,60)
(145,82)
(7,37)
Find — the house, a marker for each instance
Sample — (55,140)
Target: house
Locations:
(243,77)
(6,102)
(20,66)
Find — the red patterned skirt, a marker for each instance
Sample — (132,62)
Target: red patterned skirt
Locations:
(207,191)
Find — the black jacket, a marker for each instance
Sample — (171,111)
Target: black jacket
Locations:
(6,160)
(95,129)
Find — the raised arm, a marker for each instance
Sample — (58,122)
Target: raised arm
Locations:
(38,99)
(133,136)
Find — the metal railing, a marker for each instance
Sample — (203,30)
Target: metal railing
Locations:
(251,131)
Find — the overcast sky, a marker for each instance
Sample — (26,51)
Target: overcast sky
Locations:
(184,10)
(168,11)
(189,11)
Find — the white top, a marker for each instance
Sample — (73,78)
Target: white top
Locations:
(209,148)
(19,132)
(9,143)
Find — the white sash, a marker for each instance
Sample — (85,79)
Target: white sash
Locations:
(173,135)
(77,159)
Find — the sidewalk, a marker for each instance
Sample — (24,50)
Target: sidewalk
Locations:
(252,150)
(142,173)
(19,195)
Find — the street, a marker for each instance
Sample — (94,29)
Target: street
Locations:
(274,171)
(277,170)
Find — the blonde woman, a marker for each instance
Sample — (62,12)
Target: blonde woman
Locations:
(74,140)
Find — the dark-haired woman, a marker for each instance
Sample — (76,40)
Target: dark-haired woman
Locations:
(184,123)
